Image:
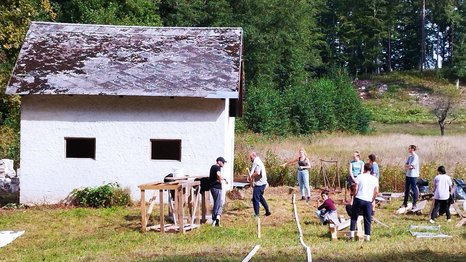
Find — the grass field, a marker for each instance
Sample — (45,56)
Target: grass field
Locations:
(79,234)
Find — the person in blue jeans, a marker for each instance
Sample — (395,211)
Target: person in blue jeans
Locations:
(412,173)
(215,178)
(259,176)
(355,169)
(367,188)
(303,174)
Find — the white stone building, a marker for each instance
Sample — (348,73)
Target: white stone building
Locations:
(123,104)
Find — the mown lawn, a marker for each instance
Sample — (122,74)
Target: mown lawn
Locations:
(81,234)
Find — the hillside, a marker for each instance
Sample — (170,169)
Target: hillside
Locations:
(402,101)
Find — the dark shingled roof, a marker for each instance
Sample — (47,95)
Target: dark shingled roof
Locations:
(76,59)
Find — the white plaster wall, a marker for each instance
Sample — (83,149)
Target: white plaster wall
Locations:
(123,128)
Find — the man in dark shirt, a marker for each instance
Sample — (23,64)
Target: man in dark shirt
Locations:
(216,178)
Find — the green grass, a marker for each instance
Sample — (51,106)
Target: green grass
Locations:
(403,101)
(418,129)
(82,234)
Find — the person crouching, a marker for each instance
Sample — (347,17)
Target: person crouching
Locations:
(327,212)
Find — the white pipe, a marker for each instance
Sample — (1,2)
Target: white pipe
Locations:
(251,254)
(308,249)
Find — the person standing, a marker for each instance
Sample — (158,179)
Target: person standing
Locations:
(412,173)
(259,177)
(356,166)
(375,167)
(367,188)
(303,174)
(216,178)
(442,190)
(355,169)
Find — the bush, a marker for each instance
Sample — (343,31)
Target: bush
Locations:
(108,195)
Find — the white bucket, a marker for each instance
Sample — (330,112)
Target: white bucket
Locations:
(178,172)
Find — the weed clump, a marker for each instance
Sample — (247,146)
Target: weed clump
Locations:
(109,195)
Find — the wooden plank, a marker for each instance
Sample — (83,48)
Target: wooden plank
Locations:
(462,222)
(143,186)
(204,208)
(195,217)
(172,206)
(458,210)
(179,208)
(359,229)
(258,227)
(189,193)
(419,206)
(143,211)
(151,206)
(162,216)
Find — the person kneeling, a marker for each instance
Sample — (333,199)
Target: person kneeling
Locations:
(327,211)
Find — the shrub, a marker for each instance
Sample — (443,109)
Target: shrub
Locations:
(108,195)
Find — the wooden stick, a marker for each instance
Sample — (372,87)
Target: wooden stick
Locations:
(258,227)
(379,222)
(251,254)
(196,201)
(204,208)
(151,206)
(143,211)
(162,218)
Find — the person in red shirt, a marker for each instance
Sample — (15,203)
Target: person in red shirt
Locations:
(327,211)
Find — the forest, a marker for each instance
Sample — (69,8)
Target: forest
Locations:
(301,57)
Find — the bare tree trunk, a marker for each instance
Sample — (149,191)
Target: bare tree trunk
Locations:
(442,127)
(389,58)
(438,49)
(423,36)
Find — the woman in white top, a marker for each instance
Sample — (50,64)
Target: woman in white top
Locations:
(442,189)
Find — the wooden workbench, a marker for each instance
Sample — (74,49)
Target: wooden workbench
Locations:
(183,189)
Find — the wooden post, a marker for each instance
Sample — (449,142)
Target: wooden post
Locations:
(195,217)
(258,227)
(204,208)
(162,218)
(337,175)
(360,230)
(333,232)
(180,209)
(143,211)
(189,192)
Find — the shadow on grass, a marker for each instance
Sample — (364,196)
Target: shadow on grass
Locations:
(422,255)
(131,218)
(419,255)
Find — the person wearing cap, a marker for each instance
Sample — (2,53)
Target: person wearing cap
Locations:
(216,178)
(259,177)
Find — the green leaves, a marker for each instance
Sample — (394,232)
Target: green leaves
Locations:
(321,105)
(108,195)
(117,12)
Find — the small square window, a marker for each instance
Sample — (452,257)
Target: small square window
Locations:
(166,149)
(80,147)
